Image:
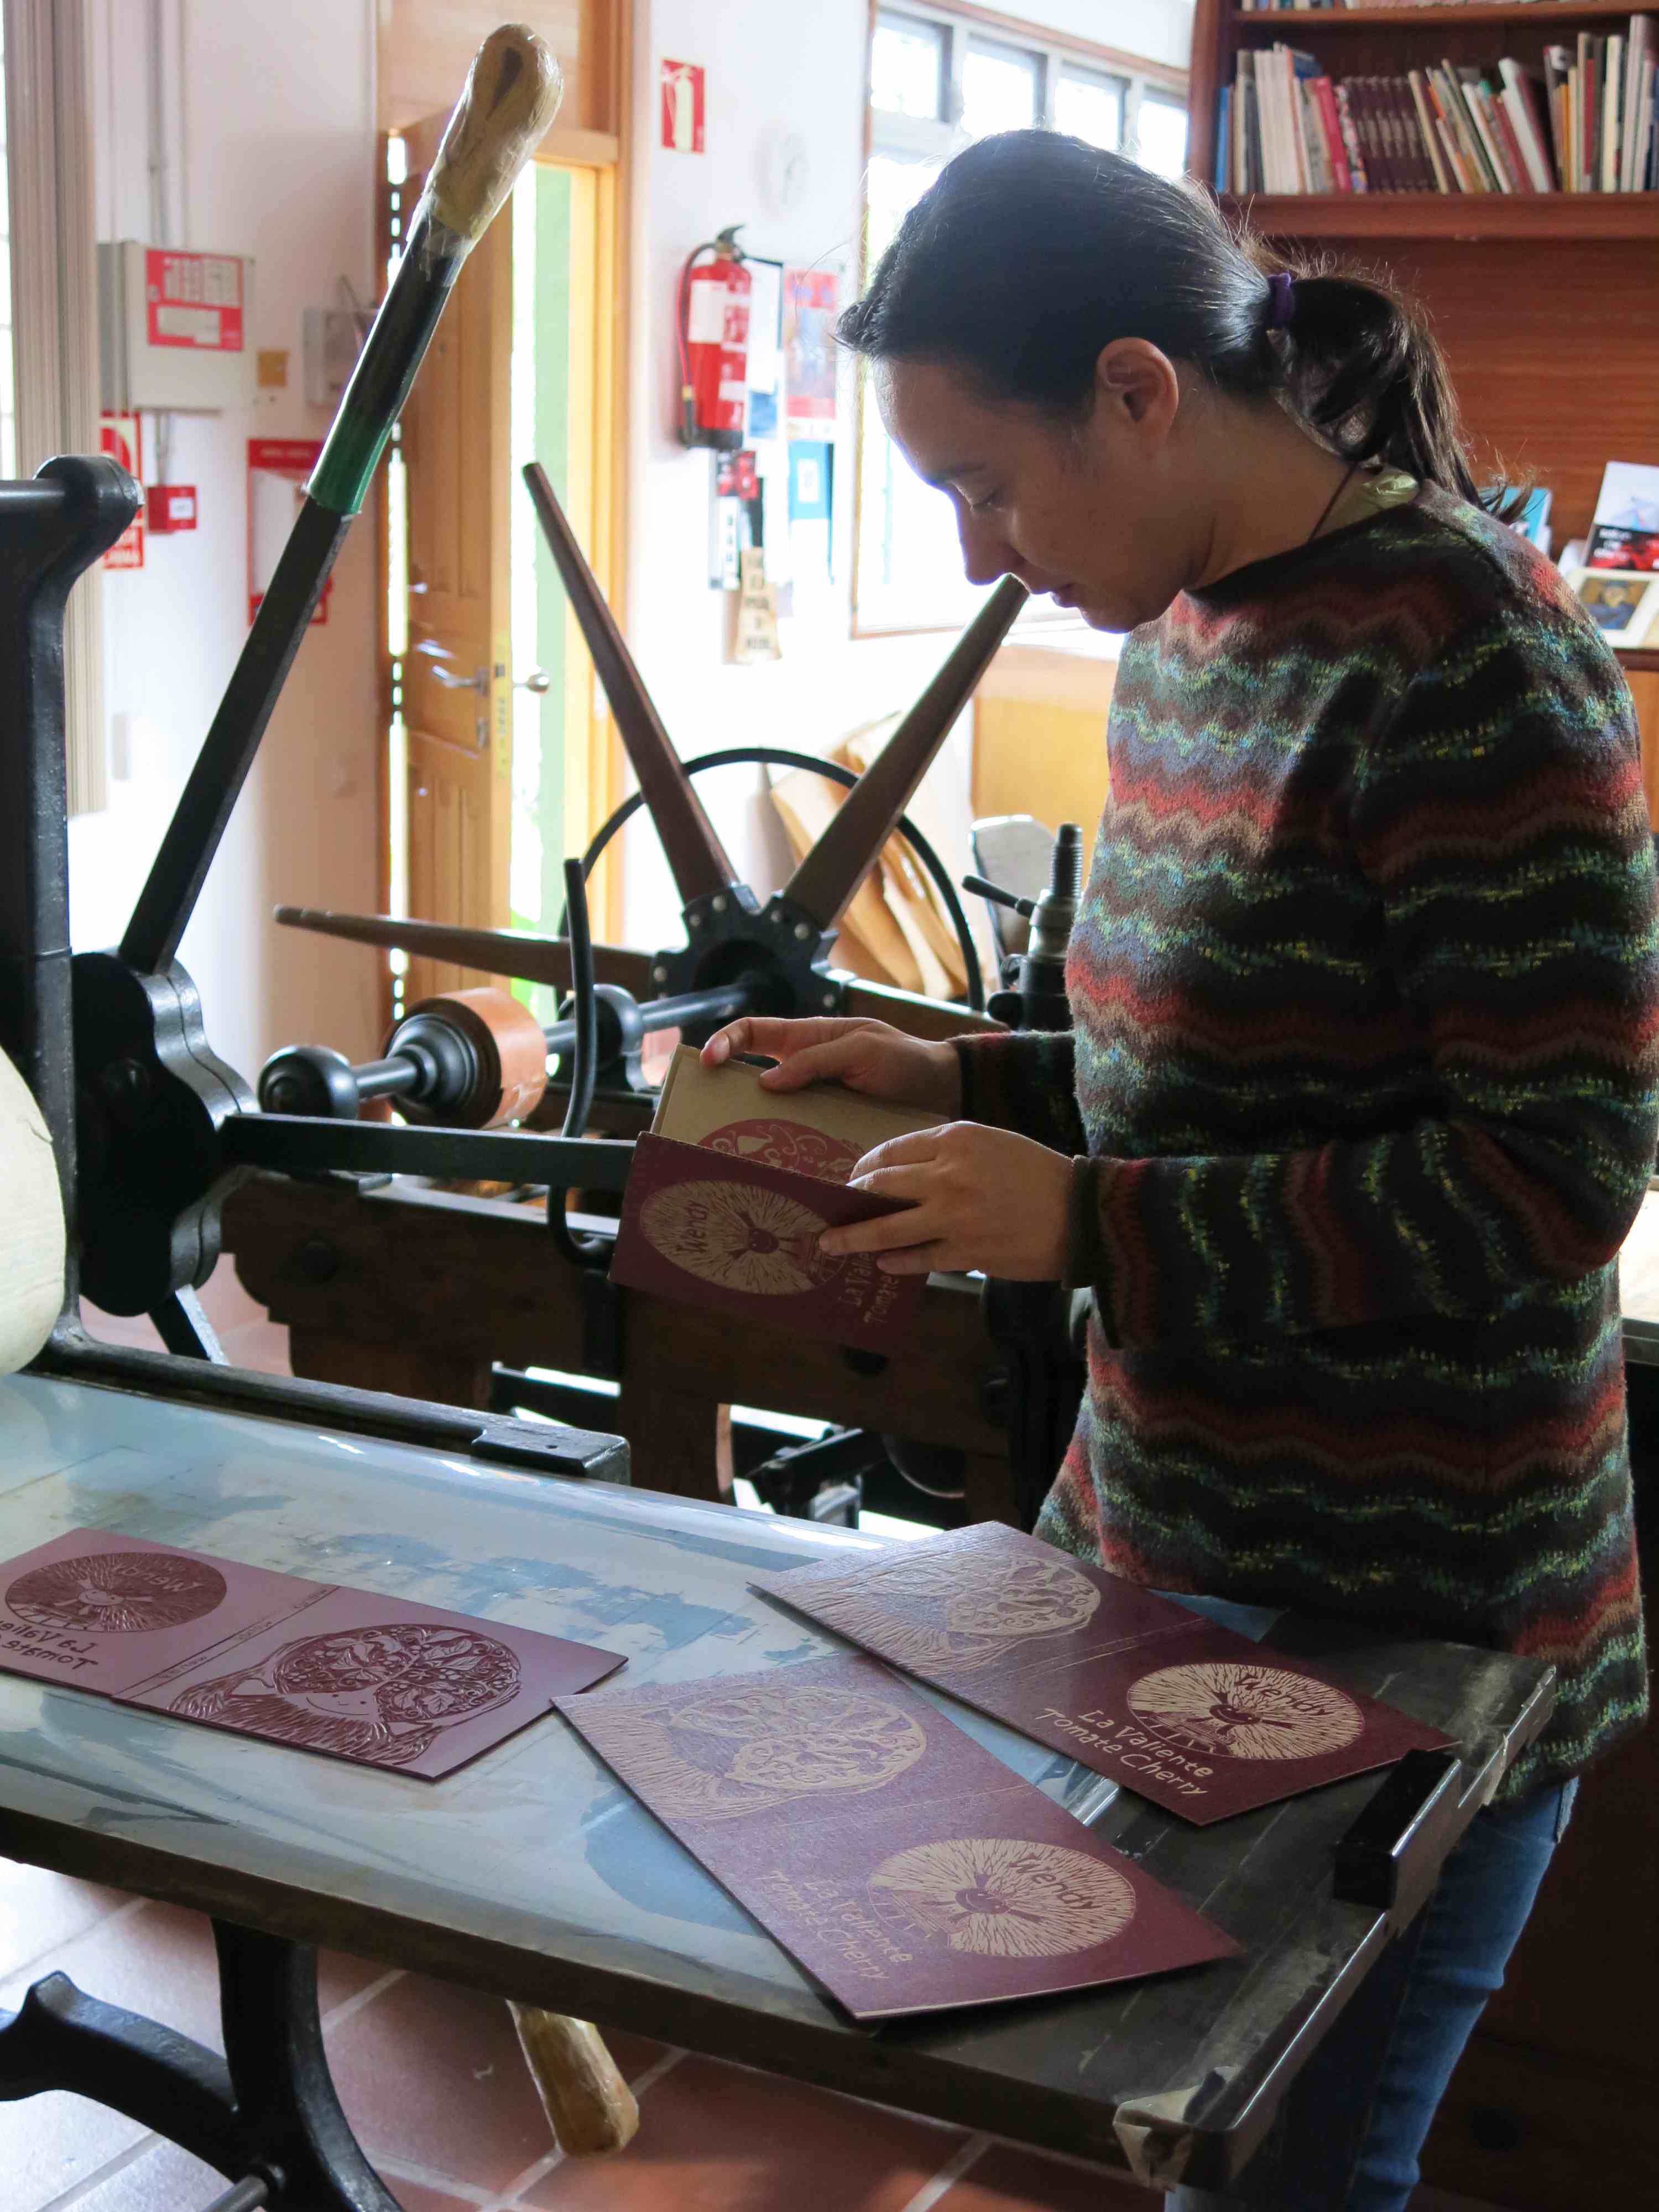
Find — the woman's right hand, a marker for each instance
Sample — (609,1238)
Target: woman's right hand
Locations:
(869,1056)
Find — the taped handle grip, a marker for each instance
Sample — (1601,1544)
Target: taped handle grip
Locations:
(513,92)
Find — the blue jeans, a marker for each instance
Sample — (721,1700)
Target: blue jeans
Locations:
(1352,2124)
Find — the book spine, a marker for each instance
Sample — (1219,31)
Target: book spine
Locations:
(1442,178)
(1450,146)
(1377,137)
(1336,151)
(1423,179)
(1557,63)
(1535,136)
(1648,109)
(1295,125)
(1357,168)
(1310,138)
(1223,157)
(1474,136)
(1508,144)
(1613,81)
(1629,95)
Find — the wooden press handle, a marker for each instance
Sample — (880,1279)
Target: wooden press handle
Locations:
(696,856)
(589,2107)
(512,93)
(493,951)
(827,878)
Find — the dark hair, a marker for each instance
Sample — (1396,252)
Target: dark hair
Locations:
(1031,251)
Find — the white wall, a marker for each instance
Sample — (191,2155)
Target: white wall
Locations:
(271,139)
(771,68)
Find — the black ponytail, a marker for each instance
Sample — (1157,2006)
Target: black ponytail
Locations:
(1031,251)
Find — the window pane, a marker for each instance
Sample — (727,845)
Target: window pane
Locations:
(1000,90)
(1089,107)
(893,188)
(1162,138)
(907,67)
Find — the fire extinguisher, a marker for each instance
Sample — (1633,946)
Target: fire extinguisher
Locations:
(713,313)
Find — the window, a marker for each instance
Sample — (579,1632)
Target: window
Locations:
(937,83)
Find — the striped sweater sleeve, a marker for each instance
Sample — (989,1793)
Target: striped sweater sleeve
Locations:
(1023,1080)
(1499,819)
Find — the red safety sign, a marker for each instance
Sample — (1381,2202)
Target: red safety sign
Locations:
(682,106)
(122,438)
(193,300)
(276,471)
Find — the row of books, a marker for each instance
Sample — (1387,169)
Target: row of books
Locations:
(1588,123)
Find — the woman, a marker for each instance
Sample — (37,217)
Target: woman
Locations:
(1360,1101)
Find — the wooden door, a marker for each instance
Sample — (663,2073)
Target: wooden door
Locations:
(458,679)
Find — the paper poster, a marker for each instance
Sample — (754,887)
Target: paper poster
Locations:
(1624,531)
(811,498)
(193,300)
(1199,1719)
(809,351)
(743,1237)
(903,1866)
(380,1681)
(765,326)
(756,638)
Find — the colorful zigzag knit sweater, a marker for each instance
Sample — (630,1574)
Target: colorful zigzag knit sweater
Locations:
(1365,988)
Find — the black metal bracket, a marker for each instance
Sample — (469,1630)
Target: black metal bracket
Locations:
(265,2113)
(779,951)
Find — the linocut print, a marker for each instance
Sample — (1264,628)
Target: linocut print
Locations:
(1197,1718)
(381,1681)
(903,1865)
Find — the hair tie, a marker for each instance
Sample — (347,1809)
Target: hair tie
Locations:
(1281,302)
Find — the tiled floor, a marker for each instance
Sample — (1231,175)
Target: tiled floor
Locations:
(433,2082)
(432,2079)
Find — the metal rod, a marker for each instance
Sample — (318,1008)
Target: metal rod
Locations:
(508,100)
(246,2197)
(827,878)
(388,1078)
(495,951)
(697,858)
(304,1144)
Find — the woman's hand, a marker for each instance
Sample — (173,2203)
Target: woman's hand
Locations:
(979,1198)
(873,1057)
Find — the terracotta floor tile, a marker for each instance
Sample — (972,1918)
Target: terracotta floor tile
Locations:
(162,2178)
(716,2138)
(261,1344)
(41,1911)
(49,2143)
(1006,2180)
(416,2196)
(432,2075)
(158,1961)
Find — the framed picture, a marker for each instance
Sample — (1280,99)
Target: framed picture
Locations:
(1623,605)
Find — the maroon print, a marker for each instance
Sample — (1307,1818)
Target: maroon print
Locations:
(381,1693)
(790,1144)
(372,1679)
(898,1860)
(117,1592)
(1142,1690)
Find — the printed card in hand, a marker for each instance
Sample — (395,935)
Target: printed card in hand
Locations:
(1199,1719)
(902,1864)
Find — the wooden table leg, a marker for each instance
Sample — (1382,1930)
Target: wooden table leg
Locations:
(589,2107)
(678,1441)
(988,1488)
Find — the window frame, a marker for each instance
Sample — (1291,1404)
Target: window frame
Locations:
(916,138)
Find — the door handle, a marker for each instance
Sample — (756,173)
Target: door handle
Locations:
(537,681)
(478,683)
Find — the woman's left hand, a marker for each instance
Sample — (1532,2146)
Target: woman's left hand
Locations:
(980,1198)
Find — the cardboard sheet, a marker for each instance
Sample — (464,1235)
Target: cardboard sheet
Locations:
(1199,1719)
(903,1866)
(380,1681)
(823,1131)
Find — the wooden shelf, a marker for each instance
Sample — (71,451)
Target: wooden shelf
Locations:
(1471,13)
(1643,659)
(1464,216)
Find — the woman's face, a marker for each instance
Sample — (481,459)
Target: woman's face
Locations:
(1096,514)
